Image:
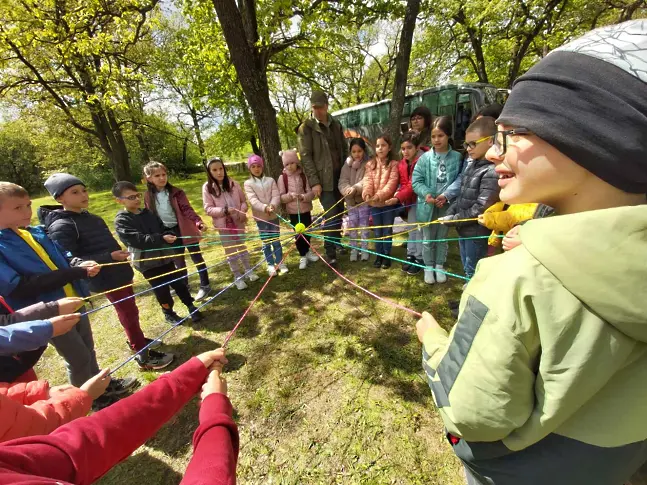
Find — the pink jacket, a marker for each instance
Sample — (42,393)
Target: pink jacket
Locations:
(187,218)
(234,200)
(295,186)
(380,180)
(261,193)
(351,177)
(27,410)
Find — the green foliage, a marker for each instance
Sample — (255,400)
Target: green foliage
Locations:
(19,157)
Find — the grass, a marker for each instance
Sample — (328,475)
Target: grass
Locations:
(325,380)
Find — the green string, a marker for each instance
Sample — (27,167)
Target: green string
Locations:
(416,240)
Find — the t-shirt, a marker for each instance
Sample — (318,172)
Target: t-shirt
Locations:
(165,209)
(42,254)
(441,175)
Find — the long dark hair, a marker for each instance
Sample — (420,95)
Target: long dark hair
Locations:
(213,186)
(411,136)
(445,124)
(148,170)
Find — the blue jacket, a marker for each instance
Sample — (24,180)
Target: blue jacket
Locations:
(22,337)
(19,263)
(423,181)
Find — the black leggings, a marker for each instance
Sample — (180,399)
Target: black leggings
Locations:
(196,257)
(163,293)
(306,219)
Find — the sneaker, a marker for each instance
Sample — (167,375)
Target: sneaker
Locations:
(196,316)
(202,293)
(441,277)
(283,268)
(172,317)
(153,360)
(312,257)
(240,284)
(332,261)
(386,263)
(365,256)
(407,266)
(429,277)
(103,402)
(342,250)
(251,277)
(378,262)
(271,270)
(117,387)
(353,255)
(416,267)
(303,263)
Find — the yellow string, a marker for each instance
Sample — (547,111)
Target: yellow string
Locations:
(418,224)
(320,217)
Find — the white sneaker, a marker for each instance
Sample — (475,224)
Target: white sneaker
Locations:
(441,277)
(283,268)
(303,263)
(365,256)
(429,277)
(271,270)
(240,284)
(252,277)
(312,257)
(353,255)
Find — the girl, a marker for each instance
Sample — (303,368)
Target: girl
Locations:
(297,196)
(264,197)
(411,152)
(173,207)
(224,201)
(436,180)
(350,186)
(380,182)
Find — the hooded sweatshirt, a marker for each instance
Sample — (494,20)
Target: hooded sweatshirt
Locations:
(542,380)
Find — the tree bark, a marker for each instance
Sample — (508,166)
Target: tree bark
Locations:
(111,142)
(252,76)
(402,70)
(476,41)
(198,136)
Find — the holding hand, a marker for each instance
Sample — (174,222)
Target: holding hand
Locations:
(69,305)
(169,238)
(213,357)
(97,385)
(119,255)
(392,201)
(426,323)
(429,199)
(316,190)
(512,239)
(366,198)
(64,323)
(444,219)
(349,191)
(91,267)
(481,219)
(215,384)
(441,200)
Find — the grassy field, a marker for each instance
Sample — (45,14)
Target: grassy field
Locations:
(326,381)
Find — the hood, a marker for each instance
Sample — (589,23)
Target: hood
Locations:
(47,214)
(599,256)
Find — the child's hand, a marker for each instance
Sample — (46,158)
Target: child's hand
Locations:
(444,219)
(512,239)
(270,209)
(226,210)
(425,323)
(119,255)
(302,197)
(349,191)
(366,198)
(294,197)
(213,357)
(64,323)
(392,201)
(97,385)
(91,267)
(316,190)
(169,238)
(481,219)
(429,199)
(440,201)
(215,383)
(69,305)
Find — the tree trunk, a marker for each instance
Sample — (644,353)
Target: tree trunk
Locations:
(114,150)
(402,70)
(253,79)
(185,147)
(198,136)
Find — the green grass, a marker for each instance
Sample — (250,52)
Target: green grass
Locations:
(325,380)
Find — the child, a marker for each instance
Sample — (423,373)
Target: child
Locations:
(436,181)
(224,201)
(379,184)
(351,185)
(147,237)
(264,197)
(411,152)
(171,205)
(541,381)
(32,269)
(297,197)
(479,190)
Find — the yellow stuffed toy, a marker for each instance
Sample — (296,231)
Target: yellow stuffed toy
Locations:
(501,220)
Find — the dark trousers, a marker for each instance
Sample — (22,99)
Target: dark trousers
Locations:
(472,251)
(303,241)
(329,199)
(128,315)
(196,257)
(383,218)
(163,293)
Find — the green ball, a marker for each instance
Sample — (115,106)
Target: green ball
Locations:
(300,227)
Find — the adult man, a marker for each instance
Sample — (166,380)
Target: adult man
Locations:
(323,150)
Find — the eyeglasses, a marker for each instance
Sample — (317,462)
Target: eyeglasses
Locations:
(501,139)
(136,196)
(472,144)
(416,118)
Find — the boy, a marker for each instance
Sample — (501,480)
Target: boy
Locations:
(33,269)
(83,236)
(542,380)
(479,190)
(147,238)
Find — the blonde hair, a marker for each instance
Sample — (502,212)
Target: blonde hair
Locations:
(8,189)
(151,166)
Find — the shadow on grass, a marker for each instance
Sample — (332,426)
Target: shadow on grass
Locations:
(142,468)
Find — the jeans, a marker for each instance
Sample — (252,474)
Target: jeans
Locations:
(384,216)
(196,257)
(303,241)
(358,217)
(270,230)
(128,315)
(163,293)
(77,349)
(472,250)
(414,246)
(434,253)
(329,199)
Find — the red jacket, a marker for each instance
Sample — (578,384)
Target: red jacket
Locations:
(405,193)
(82,451)
(188,220)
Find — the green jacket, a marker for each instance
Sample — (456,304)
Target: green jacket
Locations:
(544,377)
(423,181)
(315,153)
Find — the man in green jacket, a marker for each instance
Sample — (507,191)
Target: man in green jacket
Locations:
(543,380)
(323,150)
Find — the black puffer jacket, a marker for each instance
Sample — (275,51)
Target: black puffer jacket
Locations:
(479,190)
(86,237)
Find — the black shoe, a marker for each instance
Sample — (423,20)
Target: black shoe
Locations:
(406,266)
(103,402)
(153,360)
(332,261)
(413,269)
(453,307)
(172,317)
(196,316)
(386,264)
(378,262)
(117,387)
(343,250)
